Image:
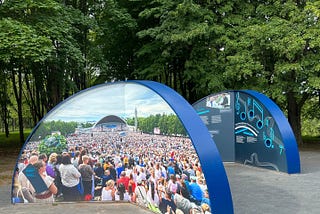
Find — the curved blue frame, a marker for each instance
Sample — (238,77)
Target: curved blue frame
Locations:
(211,163)
(289,140)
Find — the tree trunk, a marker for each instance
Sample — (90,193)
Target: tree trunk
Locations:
(192,96)
(54,82)
(294,116)
(31,102)
(18,96)
(5,102)
(5,117)
(6,127)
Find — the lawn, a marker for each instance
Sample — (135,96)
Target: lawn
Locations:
(13,141)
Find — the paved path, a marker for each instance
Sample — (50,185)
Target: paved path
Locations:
(254,191)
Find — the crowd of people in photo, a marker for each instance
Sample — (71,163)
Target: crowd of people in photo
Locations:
(158,172)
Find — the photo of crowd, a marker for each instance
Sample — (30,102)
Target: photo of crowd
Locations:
(158,172)
(151,164)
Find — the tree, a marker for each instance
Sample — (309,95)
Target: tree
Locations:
(180,47)
(311,118)
(4,101)
(116,41)
(195,47)
(277,52)
(49,65)
(80,14)
(20,45)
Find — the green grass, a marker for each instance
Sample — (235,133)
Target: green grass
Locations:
(311,139)
(13,141)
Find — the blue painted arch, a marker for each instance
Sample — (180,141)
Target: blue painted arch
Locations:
(208,153)
(287,135)
(211,163)
(250,129)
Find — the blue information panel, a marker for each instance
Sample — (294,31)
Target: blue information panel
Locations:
(250,128)
(257,136)
(217,113)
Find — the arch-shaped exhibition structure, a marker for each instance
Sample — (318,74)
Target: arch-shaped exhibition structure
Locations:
(249,128)
(125,98)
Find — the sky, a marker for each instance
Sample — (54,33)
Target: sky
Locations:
(119,99)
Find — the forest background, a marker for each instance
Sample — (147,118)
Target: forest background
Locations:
(51,49)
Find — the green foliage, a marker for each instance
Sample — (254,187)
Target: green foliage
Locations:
(182,39)
(311,127)
(20,42)
(46,129)
(168,124)
(311,118)
(115,41)
(195,47)
(277,53)
(55,143)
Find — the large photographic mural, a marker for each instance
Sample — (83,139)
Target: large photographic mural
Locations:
(139,133)
(250,128)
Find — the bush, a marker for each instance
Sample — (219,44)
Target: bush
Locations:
(53,143)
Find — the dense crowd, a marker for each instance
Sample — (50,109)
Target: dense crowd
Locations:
(159,172)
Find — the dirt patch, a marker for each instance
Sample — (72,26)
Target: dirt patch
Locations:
(7,163)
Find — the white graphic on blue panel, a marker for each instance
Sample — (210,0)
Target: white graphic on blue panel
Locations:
(254,160)
(256,112)
(255,122)
(246,129)
(242,114)
(250,108)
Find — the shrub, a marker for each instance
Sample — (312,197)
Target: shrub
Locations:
(53,143)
